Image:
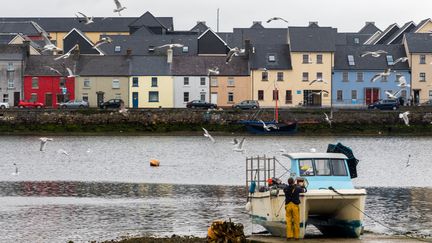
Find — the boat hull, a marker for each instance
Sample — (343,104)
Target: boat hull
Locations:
(256,127)
(336,214)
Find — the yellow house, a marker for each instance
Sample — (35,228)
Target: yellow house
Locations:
(150,84)
(312,58)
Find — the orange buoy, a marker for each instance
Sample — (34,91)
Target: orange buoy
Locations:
(154,162)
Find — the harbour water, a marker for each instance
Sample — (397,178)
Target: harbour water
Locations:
(105,188)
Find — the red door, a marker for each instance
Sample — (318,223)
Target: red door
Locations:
(371,95)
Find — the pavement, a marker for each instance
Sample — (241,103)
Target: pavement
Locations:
(369,238)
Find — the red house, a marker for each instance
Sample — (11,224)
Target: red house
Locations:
(46,81)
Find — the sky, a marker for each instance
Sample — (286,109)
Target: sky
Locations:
(346,15)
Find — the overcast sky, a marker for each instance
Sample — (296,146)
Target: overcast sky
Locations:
(346,15)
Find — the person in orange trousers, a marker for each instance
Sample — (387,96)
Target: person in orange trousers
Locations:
(292,215)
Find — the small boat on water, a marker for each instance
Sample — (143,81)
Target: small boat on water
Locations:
(331,202)
(275,128)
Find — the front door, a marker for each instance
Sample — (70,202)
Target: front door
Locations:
(214,98)
(371,95)
(416,96)
(48,100)
(16,98)
(135,100)
(100,97)
(312,97)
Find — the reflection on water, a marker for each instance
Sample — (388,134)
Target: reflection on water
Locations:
(80,211)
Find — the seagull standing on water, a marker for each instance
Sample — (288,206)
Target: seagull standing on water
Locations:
(119,7)
(405,118)
(44,142)
(408,161)
(239,147)
(16,170)
(267,127)
(374,53)
(207,135)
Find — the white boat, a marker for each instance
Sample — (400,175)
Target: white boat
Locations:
(331,202)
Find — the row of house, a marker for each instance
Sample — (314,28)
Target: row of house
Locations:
(277,64)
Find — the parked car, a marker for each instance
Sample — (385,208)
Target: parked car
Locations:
(200,104)
(74,104)
(247,104)
(4,105)
(385,105)
(112,103)
(30,104)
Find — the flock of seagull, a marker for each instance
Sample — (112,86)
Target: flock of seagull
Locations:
(237,146)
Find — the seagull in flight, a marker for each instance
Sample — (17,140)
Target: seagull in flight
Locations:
(239,147)
(54,70)
(207,135)
(402,82)
(267,127)
(103,40)
(377,76)
(214,71)
(400,59)
(67,54)
(119,7)
(70,73)
(233,52)
(393,96)
(44,141)
(405,118)
(328,119)
(318,93)
(374,53)
(408,161)
(84,18)
(318,80)
(49,46)
(170,46)
(16,170)
(277,18)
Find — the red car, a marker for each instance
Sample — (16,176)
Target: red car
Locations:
(30,104)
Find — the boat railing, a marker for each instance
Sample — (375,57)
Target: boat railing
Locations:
(259,169)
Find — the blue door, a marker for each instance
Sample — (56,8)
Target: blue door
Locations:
(135,99)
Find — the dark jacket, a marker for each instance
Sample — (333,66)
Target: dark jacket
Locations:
(292,194)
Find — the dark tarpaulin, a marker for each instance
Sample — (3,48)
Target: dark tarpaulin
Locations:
(352,161)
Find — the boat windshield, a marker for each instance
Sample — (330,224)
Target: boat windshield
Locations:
(322,167)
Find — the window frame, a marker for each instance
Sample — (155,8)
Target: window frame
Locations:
(319,58)
(288,94)
(339,95)
(150,96)
(261,94)
(230,97)
(201,81)
(422,77)
(186,97)
(264,76)
(116,84)
(305,77)
(154,82)
(280,76)
(230,82)
(135,82)
(422,59)
(345,76)
(186,81)
(35,82)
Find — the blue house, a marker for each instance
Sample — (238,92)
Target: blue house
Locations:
(352,84)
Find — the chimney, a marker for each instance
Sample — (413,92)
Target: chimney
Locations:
(26,45)
(248,48)
(129,52)
(256,22)
(169,55)
(313,24)
(201,22)
(370,22)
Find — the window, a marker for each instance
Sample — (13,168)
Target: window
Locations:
(345,77)
(116,84)
(153,96)
(185,49)
(339,95)
(10,73)
(231,81)
(33,97)
(305,77)
(319,75)
(117,49)
(186,97)
(272,58)
(356,40)
(359,76)
(430,96)
(135,82)
(260,94)
(10,67)
(85,97)
(275,94)
(338,166)
(384,79)
(390,60)
(11,84)
(322,167)
(35,83)
(214,82)
(86,83)
(117,96)
(6,98)
(354,94)
(288,97)
(154,81)
(62,82)
(306,59)
(186,81)
(422,59)
(351,61)
(264,76)
(398,77)
(230,97)
(280,76)
(319,59)
(306,167)
(203,81)
(202,96)
(422,77)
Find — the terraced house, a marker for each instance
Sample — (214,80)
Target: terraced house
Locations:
(12,61)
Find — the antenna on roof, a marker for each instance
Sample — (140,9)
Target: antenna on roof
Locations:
(217,29)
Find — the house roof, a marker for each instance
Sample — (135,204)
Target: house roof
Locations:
(6,38)
(12,52)
(369,62)
(200,27)
(199,65)
(257,25)
(256,36)
(421,25)
(260,59)
(387,33)
(103,66)
(147,19)
(150,66)
(39,66)
(396,38)
(369,28)
(306,39)
(29,28)
(85,38)
(419,42)
(349,38)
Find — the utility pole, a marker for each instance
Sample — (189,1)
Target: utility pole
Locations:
(217,29)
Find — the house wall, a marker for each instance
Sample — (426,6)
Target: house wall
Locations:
(93,36)
(194,88)
(360,86)
(269,86)
(298,67)
(242,89)
(18,40)
(424,87)
(7,93)
(427,28)
(165,87)
(103,84)
(48,85)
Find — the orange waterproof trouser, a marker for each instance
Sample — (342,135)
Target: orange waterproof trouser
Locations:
(292,216)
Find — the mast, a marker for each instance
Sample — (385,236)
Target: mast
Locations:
(276,115)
